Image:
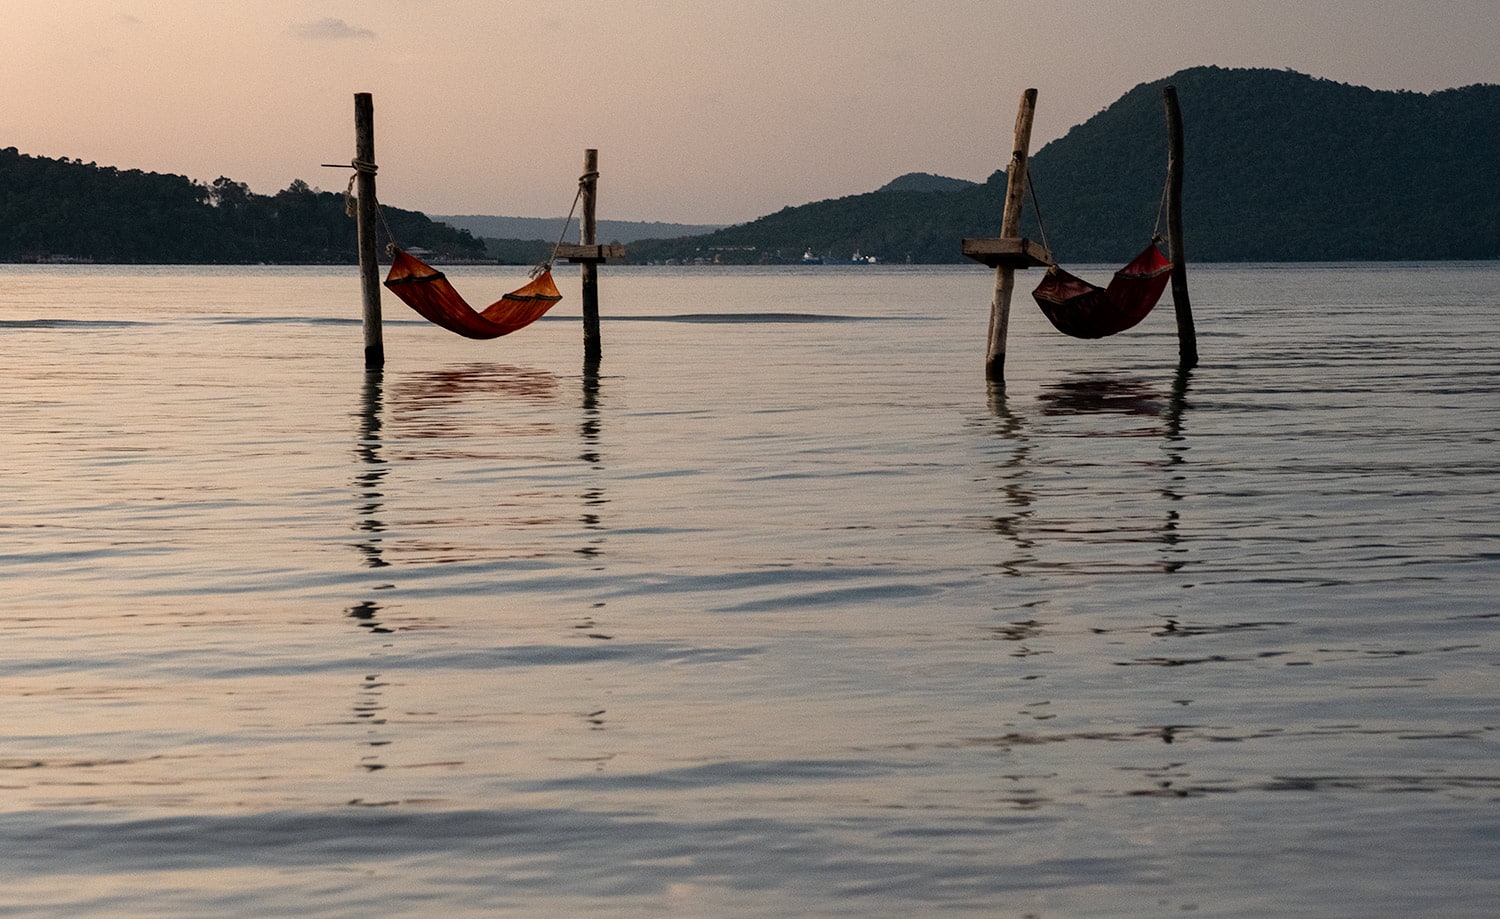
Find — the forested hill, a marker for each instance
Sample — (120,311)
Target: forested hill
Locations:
(57,209)
(1280,166)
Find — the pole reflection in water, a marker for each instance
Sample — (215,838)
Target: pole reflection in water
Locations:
(593,497)
(368,480)
(1014,496)
(588,431)
(1175,445)
(368,483)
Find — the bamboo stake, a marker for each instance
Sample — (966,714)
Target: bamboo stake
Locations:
(367,219)
(1187,336)
(1010,227)
(587,233)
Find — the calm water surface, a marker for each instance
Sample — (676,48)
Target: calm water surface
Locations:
(780,612)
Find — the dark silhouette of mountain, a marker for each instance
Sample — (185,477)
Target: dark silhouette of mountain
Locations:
(926,181)
(1279,166)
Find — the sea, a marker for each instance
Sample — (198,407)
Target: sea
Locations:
(780,609)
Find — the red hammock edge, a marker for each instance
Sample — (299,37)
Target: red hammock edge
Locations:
(428,291)
(1083,310)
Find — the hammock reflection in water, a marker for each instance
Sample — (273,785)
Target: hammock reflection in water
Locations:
(1095,405)
(825,560)
(423,421)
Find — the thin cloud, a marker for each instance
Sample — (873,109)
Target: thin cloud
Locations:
(329,29)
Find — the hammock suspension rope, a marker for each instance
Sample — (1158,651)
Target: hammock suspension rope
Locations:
(351,209)
(582,183)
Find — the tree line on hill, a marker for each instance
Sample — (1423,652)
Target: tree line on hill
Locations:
(1279,166)
(67,210)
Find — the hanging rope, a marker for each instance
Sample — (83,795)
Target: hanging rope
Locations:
(1037,207)
(1160,209)
(362,167)
(349,196)
(351,209)
(547,265)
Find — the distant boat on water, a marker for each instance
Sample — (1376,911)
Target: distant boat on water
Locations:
(808,258)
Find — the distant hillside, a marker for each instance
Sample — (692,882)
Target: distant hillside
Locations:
(926,181)
(896,226)
(549,228)
(1279,167)
(62,210)
(1282,167)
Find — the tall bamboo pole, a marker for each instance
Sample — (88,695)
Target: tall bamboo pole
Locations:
(1010,227)
(587,235)
(1187,336)
(367,219)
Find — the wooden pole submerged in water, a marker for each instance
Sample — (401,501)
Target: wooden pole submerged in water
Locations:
(1187,335)
(1009,251)
(367,218)
(588,231)
(589,253)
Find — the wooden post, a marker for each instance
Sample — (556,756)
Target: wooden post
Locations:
(587,233)
(1010,227)
(1187,336)
(368,219)
(588,254)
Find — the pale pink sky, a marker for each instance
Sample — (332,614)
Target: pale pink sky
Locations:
(707,111)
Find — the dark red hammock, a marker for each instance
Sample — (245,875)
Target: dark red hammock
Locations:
(1080,309)
(426,290)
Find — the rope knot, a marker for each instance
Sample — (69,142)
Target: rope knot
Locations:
(351,208)
(360,167)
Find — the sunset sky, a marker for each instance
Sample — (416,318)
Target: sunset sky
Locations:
(709,112)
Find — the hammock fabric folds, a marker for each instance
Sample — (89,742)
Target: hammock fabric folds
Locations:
(426,290)
(1078,308)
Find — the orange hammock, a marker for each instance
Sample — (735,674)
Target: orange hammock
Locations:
(426,290)
(1078,308)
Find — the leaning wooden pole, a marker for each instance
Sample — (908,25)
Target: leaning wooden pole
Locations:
(1187,336)
(368,219)
(588,235)
(1010,227)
